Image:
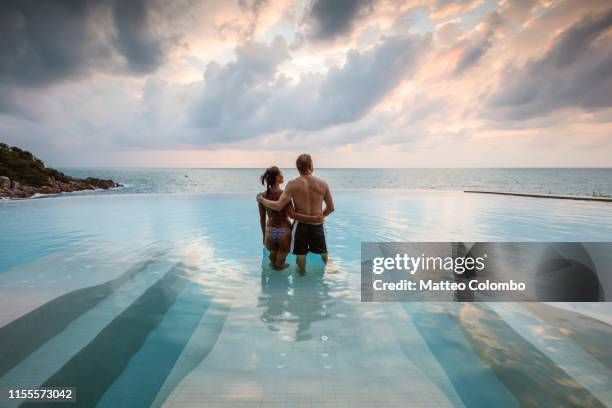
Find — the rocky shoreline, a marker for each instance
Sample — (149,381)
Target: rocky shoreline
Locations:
(14,189)
(23,175)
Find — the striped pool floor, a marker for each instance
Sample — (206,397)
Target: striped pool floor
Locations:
(177,326)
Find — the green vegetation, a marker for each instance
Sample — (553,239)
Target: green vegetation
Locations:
(599,194)
(22,166)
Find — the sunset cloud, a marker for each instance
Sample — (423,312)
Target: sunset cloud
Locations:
(416,82)
(576,71)
(250,96)
(327,20)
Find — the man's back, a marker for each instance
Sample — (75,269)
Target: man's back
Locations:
(308,193)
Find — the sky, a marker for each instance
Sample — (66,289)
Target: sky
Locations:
(355,83)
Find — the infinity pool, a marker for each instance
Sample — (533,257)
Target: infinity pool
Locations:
(167,300)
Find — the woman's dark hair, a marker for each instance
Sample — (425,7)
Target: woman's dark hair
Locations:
(269,178)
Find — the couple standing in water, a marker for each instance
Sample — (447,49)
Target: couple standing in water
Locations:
(302,200)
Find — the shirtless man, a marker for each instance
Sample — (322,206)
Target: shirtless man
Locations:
(308,194)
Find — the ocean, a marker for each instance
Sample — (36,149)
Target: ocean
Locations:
(563,181)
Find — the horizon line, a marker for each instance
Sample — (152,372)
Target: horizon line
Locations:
(334,168)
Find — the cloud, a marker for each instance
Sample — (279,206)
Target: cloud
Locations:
(472,54)
(575,72)
(236,91)
(245,24)
(518,10)
(45,41)
(328,20)
(254,8)
(142,46)
(249,96)
(350,91)
(479,44)
(446,8)
(96,80)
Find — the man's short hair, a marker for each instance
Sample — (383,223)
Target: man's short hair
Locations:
(303,163)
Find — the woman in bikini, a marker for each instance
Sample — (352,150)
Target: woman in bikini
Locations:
(277,230)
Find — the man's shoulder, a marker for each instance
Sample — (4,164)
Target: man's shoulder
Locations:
(307,183)
(321,182)
(291,185)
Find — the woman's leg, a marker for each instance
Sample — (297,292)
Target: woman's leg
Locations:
(272,248)
(283,250)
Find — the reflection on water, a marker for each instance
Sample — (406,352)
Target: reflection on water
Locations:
(591,334)
(292,303)
(491,362)
(533,378)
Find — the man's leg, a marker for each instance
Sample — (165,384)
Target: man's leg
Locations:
(301,263)
(317,243)
(300,245)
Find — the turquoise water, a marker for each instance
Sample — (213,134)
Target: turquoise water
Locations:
(167,300)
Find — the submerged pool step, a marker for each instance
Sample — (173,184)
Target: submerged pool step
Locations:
(29,286)
(22,336)
(475,382)
(121,340)
(591,331)
(148,368)
(416,350)
(197,349)
(530,374)
(43,361)
(561,349)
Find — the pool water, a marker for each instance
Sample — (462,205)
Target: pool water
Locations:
(167,300)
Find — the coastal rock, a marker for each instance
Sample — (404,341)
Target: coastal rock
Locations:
(22,175)
(5,183)
(47,190)
(100,183)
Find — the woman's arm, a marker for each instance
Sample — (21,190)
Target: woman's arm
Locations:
(309,219)
(262,220)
